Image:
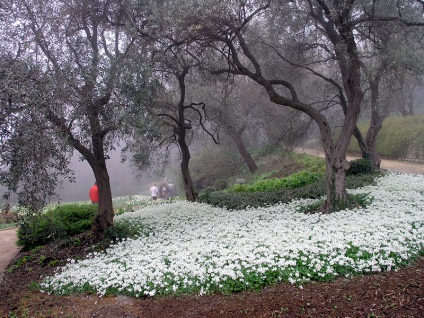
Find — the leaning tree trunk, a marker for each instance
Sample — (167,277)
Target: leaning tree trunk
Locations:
(368,146)
(244,152)
(361,143)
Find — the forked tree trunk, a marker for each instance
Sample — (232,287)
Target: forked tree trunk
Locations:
(96,159)
(368,146)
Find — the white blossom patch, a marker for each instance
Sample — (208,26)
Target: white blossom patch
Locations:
(196,248)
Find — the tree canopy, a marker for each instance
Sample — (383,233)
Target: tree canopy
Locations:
(83,75)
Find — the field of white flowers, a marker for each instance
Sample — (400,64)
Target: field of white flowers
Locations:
(195,248)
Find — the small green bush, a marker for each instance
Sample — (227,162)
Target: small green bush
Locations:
(58,223)
(204,196)
(361,180)
(361,166)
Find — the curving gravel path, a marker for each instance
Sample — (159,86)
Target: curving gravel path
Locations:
(396,165)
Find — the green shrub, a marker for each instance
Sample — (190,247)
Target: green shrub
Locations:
(60,222)
(204,195)
(242,200)
(361,166)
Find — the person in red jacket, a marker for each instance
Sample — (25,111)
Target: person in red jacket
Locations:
(94,194)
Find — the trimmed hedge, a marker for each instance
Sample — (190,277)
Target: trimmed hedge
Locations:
(242,200)
(58,223)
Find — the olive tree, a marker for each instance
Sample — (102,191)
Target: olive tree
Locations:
(83,58)
(181,112)
(328,30)
(391,55)
(234,106)
(33,157)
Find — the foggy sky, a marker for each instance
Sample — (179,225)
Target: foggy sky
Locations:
(122,179)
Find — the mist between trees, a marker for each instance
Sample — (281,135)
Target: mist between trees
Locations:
(153,76)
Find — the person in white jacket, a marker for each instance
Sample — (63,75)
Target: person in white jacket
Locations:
(154,192)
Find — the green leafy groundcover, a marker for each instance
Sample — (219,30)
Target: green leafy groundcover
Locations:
(295,180)
(307,184)
(314,170)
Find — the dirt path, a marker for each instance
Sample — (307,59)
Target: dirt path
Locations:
(8,248)
(396,165)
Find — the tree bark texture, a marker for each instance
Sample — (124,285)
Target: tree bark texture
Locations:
(104,216)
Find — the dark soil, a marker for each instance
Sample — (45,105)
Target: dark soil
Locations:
(390,294)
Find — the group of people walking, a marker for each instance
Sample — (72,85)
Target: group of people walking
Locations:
(165,191)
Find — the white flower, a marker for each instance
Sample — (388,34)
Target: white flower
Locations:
(192,244)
